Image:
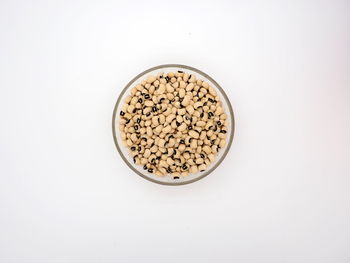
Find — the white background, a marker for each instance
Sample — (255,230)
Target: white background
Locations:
(282,193)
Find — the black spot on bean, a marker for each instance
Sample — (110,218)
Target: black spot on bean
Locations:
(223,131)
(176,177)
(154,109)
(122,113)
(218,123)
(210,114)
(148,114)
(180,71)
(190,127)
(134,110)
(150,170)
(202,155)
(136,127)
(182,141)
(145,167)
(178,124)
(133,148)
(138,120)
(140,100)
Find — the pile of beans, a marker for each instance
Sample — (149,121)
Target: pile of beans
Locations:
(173,124)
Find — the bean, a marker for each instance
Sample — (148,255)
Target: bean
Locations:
(150,79)
(193,134)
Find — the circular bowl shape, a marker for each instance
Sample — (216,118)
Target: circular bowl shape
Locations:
(168,180)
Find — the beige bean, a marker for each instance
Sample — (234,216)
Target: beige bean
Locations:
(199,161)
(197,104)
(182,127)
(193,134)
(190,109)
(181,111)
(193,169)
(170,118)
(161,143)
(167,129)
(169,88)
(202,167)
(182,93)
(200,123)
(158,129)
(186,101)
(189,87)
(149,131)
(147,153)
(170,161)
(206,149)
(222,143)
(151,79)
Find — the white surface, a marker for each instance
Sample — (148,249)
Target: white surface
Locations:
(282,194)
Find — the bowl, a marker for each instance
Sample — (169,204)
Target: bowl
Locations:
(168,180)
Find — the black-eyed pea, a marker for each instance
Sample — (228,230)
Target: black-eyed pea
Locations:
(133,137)
(151,79)
(206,149)
(214,148)
(156,83)
(131,129)
(182,127)
(206,141)
(155,99)
(196,88)
(192,78)
(199,161)
(162,135)
(200,123)
(186,101)
(181,111)
(202,135)
(202,167)
(147,153)
(133,91)
(182,93)
(143,161)
(133,101)
(158,153)
(207,162)
(193,134)
(193,169)
(169,88)
(200,94)
(149,103)
(150,141)
(131,108)
(161,143)
(158,129)
(199,82)
(182,147)
(170,118)
(199,148)
(128,99)
(186,155)
(155,121)
(161,119)
(177,104)
(149,131)
(171,142)
(166,129)
(219,111)
(170,96)
(194,144)
(170,161)
(217,141)
(189,87)
(212,91)
(222,135)
(170,151)
(222,143)
(197,104)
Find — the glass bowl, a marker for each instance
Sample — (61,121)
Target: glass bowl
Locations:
(168,180)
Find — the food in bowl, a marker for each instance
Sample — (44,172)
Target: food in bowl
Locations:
(173,124)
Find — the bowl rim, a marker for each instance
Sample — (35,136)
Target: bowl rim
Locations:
(172,66)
